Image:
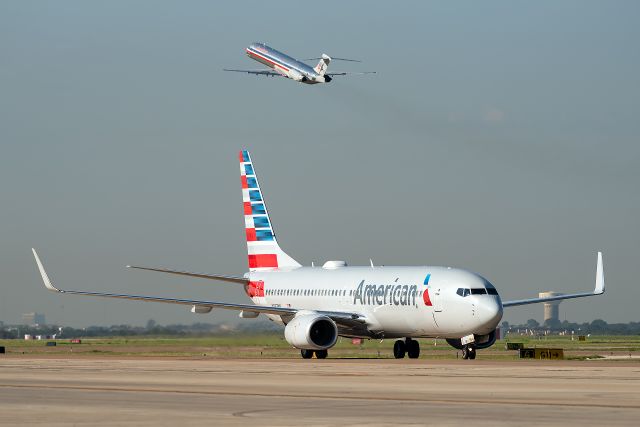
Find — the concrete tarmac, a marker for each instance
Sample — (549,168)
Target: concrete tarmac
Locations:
(150,392)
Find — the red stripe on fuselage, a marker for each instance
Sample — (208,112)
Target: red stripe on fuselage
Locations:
(270,62)
(255,289)
(425,297)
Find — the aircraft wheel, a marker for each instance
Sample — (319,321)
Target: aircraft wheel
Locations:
(472,352)
(399,349)
(306,354)
(465,352)
(413,348)
(321,354)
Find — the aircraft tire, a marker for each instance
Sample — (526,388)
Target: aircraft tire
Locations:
(465,352)
(472,352)
(306,354)
(321,354)
(399,349)
(413,348)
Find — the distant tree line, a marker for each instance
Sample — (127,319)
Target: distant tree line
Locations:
(596,327)
(151,329)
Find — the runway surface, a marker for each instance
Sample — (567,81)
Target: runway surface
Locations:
(151,392)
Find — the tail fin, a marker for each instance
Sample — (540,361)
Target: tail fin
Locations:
(263,249)
(322,66)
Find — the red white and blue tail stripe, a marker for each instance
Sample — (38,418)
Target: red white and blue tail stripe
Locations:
(262,247)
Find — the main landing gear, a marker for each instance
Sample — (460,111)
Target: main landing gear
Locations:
(409,346)
(469,351)
(308,354)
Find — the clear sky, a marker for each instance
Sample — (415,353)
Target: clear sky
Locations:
(497,136)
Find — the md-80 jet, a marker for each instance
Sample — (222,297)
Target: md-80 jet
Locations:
(317,305)
(283,65)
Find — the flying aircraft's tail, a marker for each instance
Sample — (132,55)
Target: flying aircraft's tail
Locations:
(322,66)
(263,249)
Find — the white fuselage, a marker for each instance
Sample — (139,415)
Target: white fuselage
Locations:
(392,299)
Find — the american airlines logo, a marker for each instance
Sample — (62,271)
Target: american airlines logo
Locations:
(371,294)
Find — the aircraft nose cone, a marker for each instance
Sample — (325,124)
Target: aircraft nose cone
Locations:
(489,313)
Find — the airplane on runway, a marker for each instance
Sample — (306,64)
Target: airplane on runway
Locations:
(283,65)
(316,305)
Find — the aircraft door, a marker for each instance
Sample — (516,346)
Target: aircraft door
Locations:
(437,300)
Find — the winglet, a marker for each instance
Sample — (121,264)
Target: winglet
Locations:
(599,277)
(43,273)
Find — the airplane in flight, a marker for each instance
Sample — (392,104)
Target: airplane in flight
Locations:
(282,65)
(316,305)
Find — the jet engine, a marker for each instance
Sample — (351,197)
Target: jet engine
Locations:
(296,75)
(327,79)
(311,332)
(482,341)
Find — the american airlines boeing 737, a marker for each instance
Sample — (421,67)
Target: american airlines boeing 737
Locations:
(317,305)
(283,65)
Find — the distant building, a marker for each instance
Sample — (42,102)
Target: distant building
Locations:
(33,319)
(551,309)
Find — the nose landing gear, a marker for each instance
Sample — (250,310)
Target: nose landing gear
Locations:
(409,346)
(469,351)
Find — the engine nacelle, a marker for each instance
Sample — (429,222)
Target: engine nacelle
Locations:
(311,332)
(296,75)
(482,341)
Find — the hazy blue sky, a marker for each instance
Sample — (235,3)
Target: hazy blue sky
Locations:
(498,136)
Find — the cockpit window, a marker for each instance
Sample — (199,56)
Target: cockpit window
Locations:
(463,292)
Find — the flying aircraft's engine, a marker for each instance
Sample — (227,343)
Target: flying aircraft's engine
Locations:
(296,75)
(482,341)
(311,332)
(327,79)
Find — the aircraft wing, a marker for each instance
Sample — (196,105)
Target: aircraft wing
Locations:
(256,72)
(343,318)
(345,73)
(232,279)
(599,290)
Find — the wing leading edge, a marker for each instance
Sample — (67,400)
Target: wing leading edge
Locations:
(338,317)
(598,290)
(256,72)
(232,279)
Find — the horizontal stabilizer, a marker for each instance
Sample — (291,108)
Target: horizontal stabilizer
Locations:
(346,73)
(333,58)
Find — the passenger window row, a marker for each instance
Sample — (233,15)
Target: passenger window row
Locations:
(308,292)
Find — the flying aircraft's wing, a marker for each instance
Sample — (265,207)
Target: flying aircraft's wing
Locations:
(343,318)
(256,72)
(345,73)
(232,279)
(599,290)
